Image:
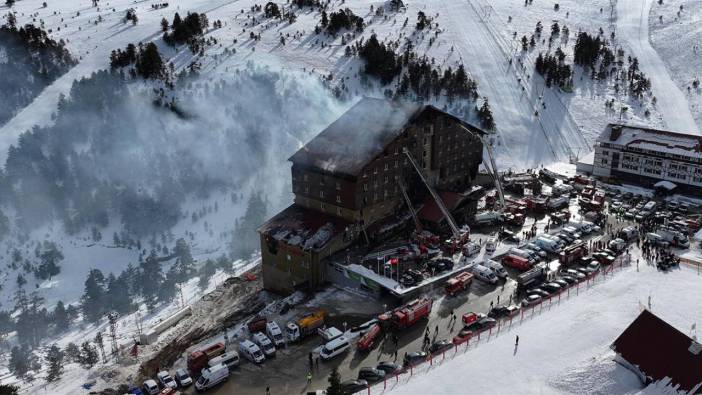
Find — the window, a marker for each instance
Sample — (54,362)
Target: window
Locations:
(365,187)
(387,166)
(307,190)
(338,199)
(365,174)
(385,194)
(338,186)
(375,170)
(338,211)
(386,179)
(397,150)
(323,206)
(375,197)
(305,178)
(321,194)
(397,164)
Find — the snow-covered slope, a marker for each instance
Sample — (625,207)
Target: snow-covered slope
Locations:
(565,348)
(676,34)
(632,23)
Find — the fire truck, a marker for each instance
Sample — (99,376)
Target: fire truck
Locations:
(407,315)
(368,339)
(198,359)
(458,283)
(572,253)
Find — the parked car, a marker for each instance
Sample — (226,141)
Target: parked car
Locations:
(508,235)
(415,357)
(371,375)
(440,346)
(551,287)
(503,311)
(440,265)
(166,380)
(572,273)
(481,324)
(353,386)
(462,336)
(538,291)
(531,300)
(389,367)
(183,378)
(150,387)
(562,283)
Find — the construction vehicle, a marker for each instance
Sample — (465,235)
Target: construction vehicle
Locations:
(305,325)
(368,339)
(572,253)
(198,359)
(538,272)
(407,315)
(458,283)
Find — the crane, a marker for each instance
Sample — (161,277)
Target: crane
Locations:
(452,224)
(492,169)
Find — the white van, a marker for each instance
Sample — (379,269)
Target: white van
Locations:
(649,206)
(529,255)
(264,343)
(334,348)
(151,387)
(484,274)
(496,268)
(274,333)
(586,227)
(229,358)
(212,376)
(251,351)
(491,245)
(572,231)
(471,248)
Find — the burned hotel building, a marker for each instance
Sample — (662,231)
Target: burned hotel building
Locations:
(350,177)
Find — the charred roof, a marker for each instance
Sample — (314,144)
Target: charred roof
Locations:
(361,134)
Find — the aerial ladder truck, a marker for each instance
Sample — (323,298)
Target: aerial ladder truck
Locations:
(459,237)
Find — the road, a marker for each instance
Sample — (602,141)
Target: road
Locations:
(632,24)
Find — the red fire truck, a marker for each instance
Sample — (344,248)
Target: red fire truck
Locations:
(198,359)
(366,341)
(516,262)
(572,253)
(458,283)
(407,315)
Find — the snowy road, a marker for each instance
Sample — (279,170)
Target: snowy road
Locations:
(632,26)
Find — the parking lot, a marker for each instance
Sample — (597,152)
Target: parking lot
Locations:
(287,372)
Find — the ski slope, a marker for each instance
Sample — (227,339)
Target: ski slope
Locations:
(565,348)
(632,23)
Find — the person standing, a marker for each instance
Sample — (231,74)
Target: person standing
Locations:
(516,342)
(268,390)
(309,378)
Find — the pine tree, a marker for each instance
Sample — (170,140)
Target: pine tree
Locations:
(485,115)
(93,302)
(6,389)
(334,379)
(60,317)
(149,63)
(150,279)
(19,361)
(54,358)
(73,352)
(88,355)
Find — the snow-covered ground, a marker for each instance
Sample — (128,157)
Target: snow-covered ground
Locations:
(564,349)
(633,27)
(677,37)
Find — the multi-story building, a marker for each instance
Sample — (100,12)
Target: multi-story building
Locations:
(647,156)
(350,175)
